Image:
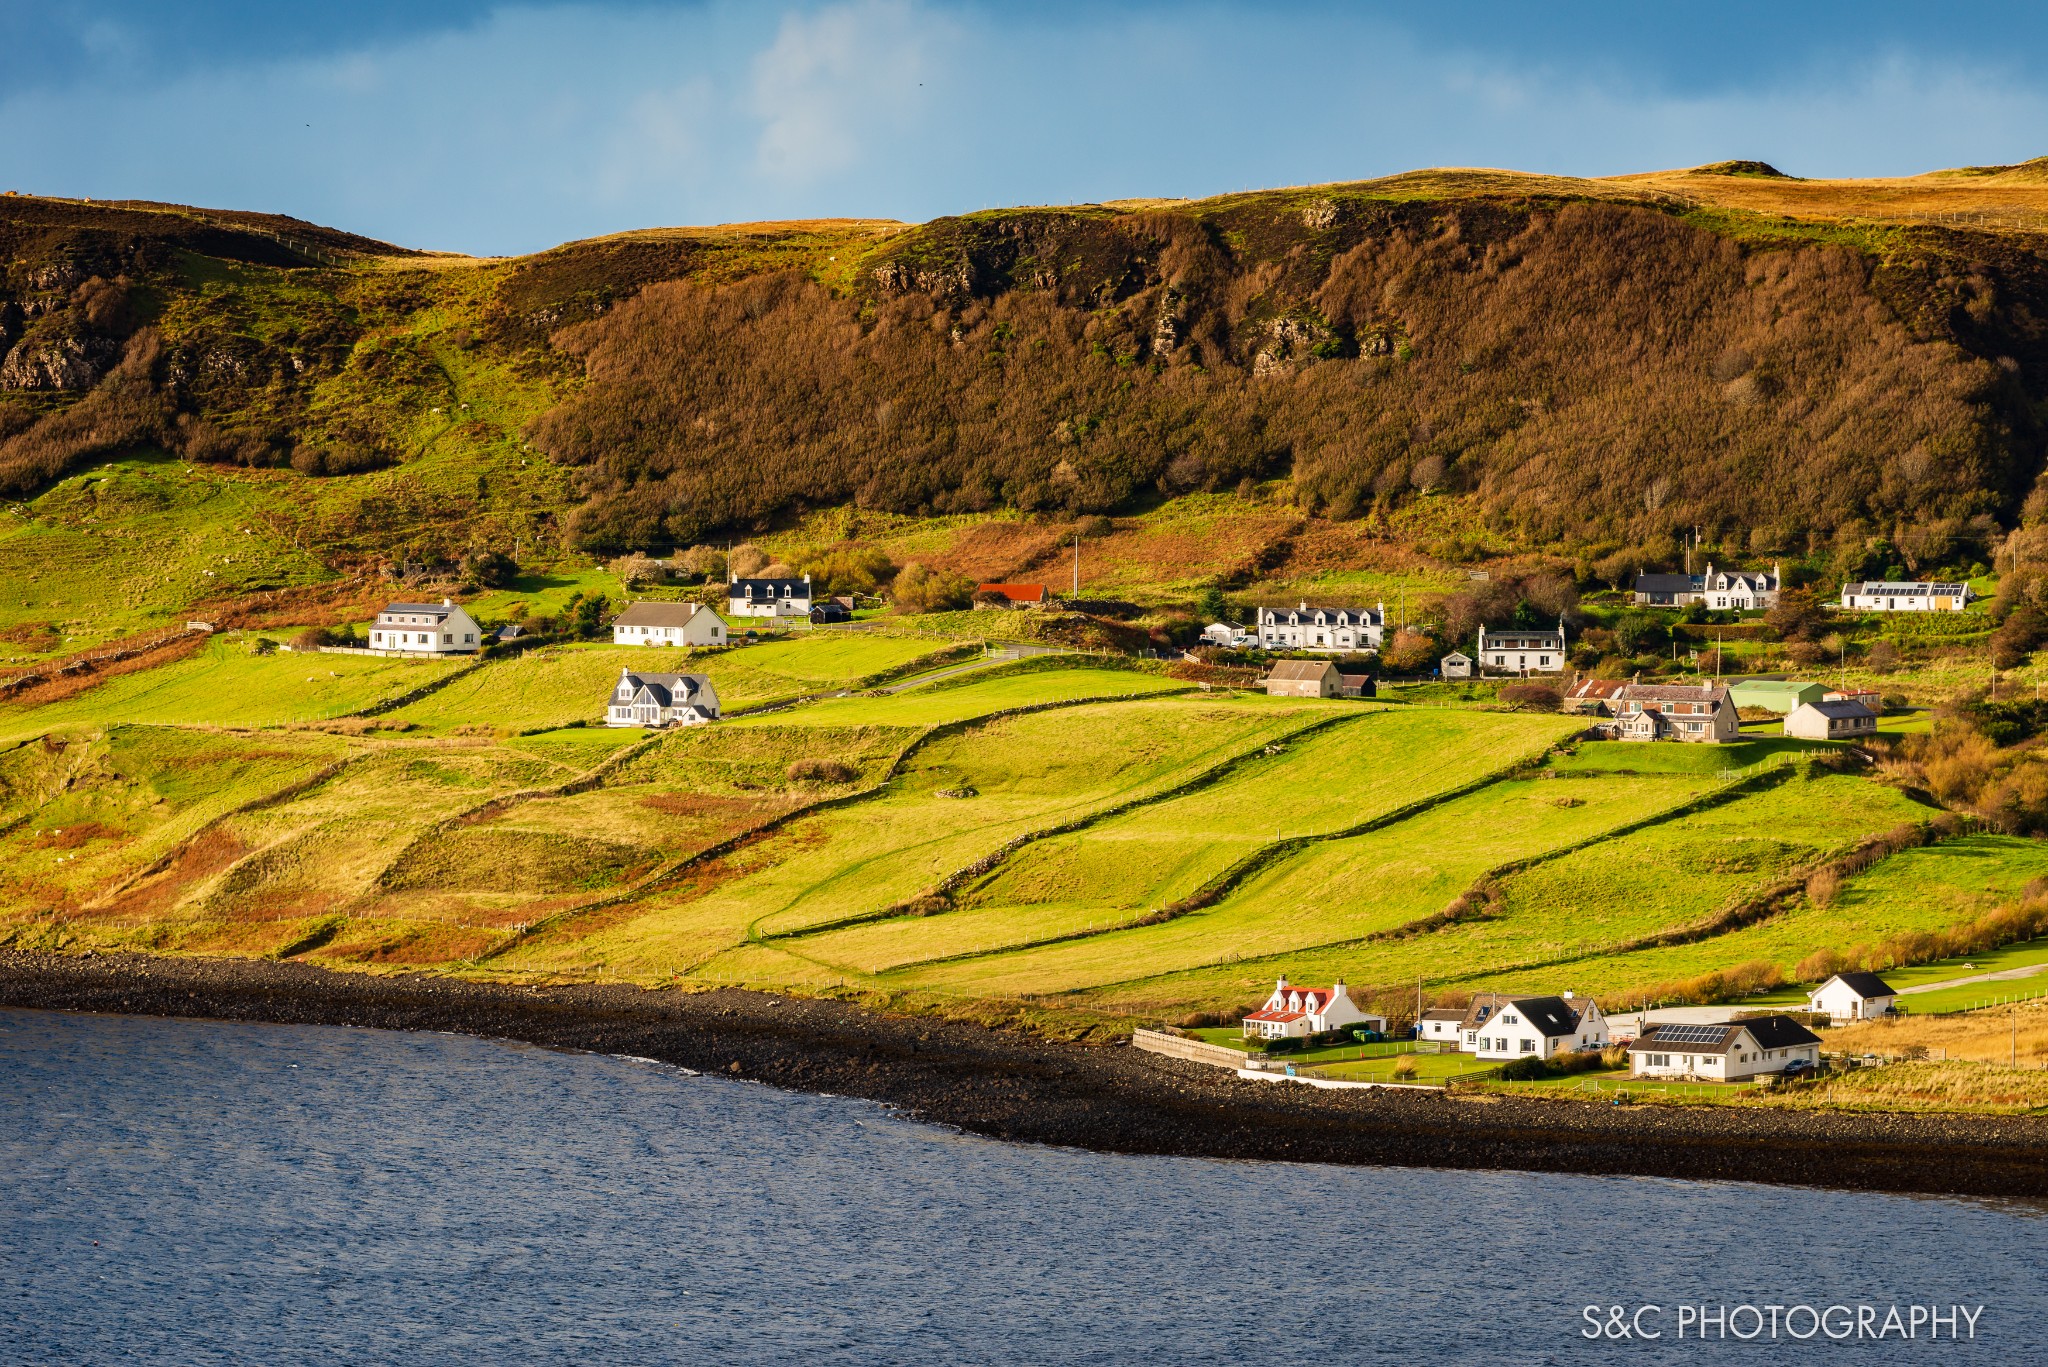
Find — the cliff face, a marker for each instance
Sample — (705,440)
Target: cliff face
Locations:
(1592,362)
(1591,370)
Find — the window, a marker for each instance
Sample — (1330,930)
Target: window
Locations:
(1528,1046)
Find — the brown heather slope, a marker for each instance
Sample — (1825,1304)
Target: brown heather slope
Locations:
(1591,362)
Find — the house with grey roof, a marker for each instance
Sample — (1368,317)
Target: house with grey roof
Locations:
(1723,590)
(1727,1052)
(1699,713)
(1334,631)
(425,629)
(769,597)
(1538,1027)
(668,624)
(1824,720)
(1522,650)
(658,700)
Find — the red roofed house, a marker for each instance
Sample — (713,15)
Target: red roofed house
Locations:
(1293,1010)
(1018,595)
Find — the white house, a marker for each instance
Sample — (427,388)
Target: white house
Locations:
(656,700)
(1229,636)
(425,629)
(769,597)
(1850,997)
(1295,1011)
(1335,631)
(668,624)
(1539,1027)
(1440,1024)
(1899,596)
(1534,650)
(1829,720)
(1732,590)
(1727,1052)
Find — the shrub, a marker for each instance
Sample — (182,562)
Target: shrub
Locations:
(1526,1069)
(312,638)
(1404,1067)
(821,771)
(921,589)
(1532,697)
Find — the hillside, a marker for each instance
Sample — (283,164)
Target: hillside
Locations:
(1586,365)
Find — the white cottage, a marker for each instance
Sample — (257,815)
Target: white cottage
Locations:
(1901,596)
(1727,1052)
(668,624)
(769,597)
(1831,720)
(1540,1027)
(425,629)
(1850,997)
(1439,1024)
(657,700)
(1297,1011)
(1226,634)
(1333,631)
(1514,650)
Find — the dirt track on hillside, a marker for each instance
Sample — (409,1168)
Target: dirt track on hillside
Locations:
(1113,1099)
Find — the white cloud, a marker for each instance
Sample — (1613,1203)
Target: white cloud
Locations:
(834,78)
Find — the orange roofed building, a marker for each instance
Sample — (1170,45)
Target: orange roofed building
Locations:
(1019,595)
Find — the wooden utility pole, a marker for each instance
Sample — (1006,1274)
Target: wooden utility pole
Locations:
(1077,564)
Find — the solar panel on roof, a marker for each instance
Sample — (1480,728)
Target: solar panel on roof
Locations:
(1691,1034)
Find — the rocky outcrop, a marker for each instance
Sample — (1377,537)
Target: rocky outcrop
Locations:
(1291,340)
(57,363)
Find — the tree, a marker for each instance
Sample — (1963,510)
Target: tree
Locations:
(847,568)
(1410,652)
(489,569)
(1798,616)
(706,562)
(1211,605)
(746,561)
(636,569)
(923,589)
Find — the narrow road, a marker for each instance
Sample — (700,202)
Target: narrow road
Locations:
(1003,656)
(2003,975)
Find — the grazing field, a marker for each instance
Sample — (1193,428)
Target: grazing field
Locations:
(562,684)
(918,707)
(225,685)
(1606,756)
(1332,892)
(958,799)
(1554,921)
(80,815)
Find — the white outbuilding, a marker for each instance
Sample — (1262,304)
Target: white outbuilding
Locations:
(1850,997)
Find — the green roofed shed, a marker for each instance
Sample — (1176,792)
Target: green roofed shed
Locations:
(1779,695)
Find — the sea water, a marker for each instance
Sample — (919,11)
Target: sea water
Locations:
(201,1192)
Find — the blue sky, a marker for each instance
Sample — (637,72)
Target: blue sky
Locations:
(495,128)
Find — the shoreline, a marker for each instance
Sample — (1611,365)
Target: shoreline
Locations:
(1112,1099)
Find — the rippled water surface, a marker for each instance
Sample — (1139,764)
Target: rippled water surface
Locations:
(196,1192)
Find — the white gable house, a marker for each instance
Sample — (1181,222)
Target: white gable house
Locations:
(1850,997)
(657,700)
(1513,650)
(668,624)
(1728,1052)
(425,629)
(1540,1027)
(1334,631)
(1439,1023)
(1294,1011)
(769,597)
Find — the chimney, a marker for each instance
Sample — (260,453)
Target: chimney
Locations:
(1568,995)
(446,603)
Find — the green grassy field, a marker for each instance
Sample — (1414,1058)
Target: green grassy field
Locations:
(557,685)
(226,685)
(918,707)
(129,544)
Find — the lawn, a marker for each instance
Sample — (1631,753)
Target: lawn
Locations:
(225,685)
